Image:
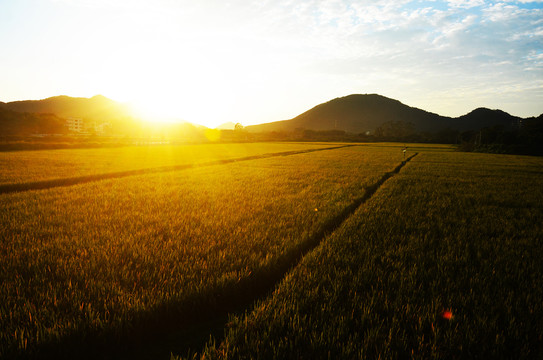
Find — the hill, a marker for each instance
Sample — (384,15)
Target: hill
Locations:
(96,108)
(18,123)
(483,117)
(355,114)
(93,111)
(362,113)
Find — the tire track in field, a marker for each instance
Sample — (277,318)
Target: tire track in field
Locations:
(48,184)
(208,316)
(186,326)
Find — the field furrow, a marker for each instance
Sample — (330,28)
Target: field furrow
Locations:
(126,258)
(52,166)
(444,261)
(47,184)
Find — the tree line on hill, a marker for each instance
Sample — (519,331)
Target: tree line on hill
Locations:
(527,139)
(373,117)
(25,123)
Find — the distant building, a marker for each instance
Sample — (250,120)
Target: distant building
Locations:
(75,125)
(100,128)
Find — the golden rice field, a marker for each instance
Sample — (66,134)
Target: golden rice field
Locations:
(444,261)
(89,258)
(30,166)
(349,252)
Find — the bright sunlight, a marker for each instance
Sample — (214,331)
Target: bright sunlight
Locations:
(182,71)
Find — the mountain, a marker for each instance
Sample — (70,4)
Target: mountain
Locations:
(353,113)
(97,114)
(483,117)
(96,108)
(21,123)
(359,113)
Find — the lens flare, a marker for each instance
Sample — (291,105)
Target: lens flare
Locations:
(447,314)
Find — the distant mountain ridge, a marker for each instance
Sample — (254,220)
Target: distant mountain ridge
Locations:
(99,114)
(483,117)
(20,123)
(95,108)
(52,114)
(357,114)
(360,113)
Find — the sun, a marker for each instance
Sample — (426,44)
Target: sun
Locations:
(190,89)
(176,105)
(179,71)
(155,110)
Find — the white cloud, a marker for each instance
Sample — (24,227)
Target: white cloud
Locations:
(466,4)
(525,1)
(303,51)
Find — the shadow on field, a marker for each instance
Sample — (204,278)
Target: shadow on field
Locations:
(184,327)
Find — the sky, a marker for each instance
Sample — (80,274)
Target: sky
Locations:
(216,61)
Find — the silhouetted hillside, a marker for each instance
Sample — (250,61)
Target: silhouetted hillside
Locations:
(483,117)
(355,117)
(99,115)
(362,113)
(357,114)
(96,108)
(24,123)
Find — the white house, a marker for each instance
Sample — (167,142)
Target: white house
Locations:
(75,125)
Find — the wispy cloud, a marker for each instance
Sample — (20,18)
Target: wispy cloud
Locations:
(291,54)
(466,4)
(465,46)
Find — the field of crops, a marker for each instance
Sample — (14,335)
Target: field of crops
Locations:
(444,261)
(386,247)
(103,257)
(30,166)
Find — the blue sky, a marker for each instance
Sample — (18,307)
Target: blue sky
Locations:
(245,61)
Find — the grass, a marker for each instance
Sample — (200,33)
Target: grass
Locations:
(30,166)
(124,257)
(444,261)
